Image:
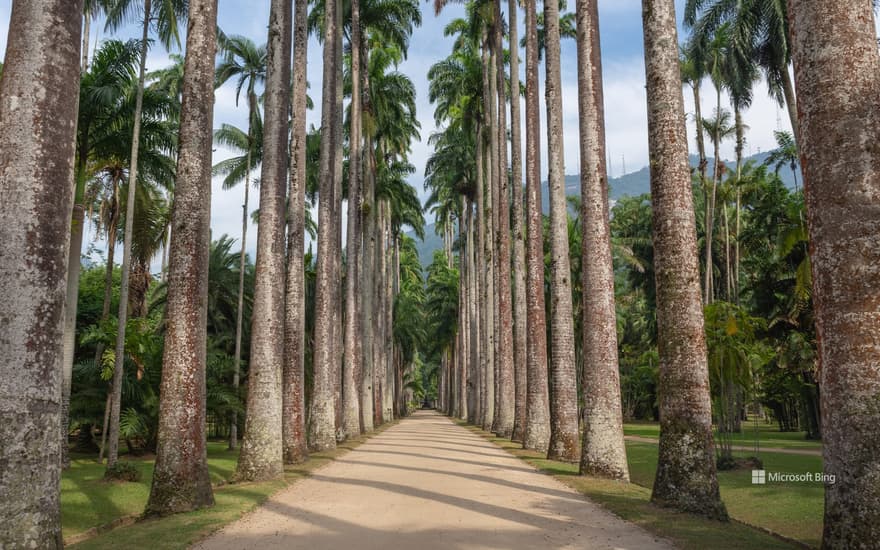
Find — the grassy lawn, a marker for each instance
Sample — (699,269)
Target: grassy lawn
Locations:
(768,435)
(99,515)
(793,510)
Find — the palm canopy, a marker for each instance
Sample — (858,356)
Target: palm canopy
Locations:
(243,60)
(757,30)
(235,169)
(165,16)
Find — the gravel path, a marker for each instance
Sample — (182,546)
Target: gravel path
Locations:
(427,483)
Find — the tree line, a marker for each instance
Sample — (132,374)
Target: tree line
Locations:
(694,305)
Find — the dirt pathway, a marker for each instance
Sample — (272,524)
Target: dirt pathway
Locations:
(800,452)
(429,484)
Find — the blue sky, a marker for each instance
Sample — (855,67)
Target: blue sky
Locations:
(623,61)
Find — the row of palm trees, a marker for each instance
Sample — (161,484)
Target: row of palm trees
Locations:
(468,178)
(376,138)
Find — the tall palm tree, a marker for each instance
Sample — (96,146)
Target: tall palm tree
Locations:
(295,446)
(563,378)
(246,62)
(100,87)
(520,333)
(604,452)
(841,195)
(686,477)
(506,397)
(181,481)
(37,140)
(261,451)
(351,362)
(166,17)
(322,419)
(785,154)
(537,429)
(759,33)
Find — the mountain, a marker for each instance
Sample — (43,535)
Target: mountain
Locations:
(632,184)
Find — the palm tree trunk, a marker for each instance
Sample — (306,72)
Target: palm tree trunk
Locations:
(519,255)
(294,444)
(471,382)
(388,302)
(604,452)
(181,481)
(480,285)
(701,138)
(351,424)
(563,376)
(537,429)
(740,147)
(790,101)
(686,477)
(261,454)
(709,274)
(74,265)
(39,92)
(839,117)
(489,258)
(365,284)
(242,265)
(119,359)
(506,396)
(337,338)
(322,419)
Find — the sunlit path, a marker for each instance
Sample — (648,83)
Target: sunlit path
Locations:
(428,483)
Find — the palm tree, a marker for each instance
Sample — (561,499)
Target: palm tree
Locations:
(785,154)
(563,378)
(294,442)
(181,481)
(166,15)
(37,140)
(351,362)
(322,420)
(520,333)
(246,62)
(686,478)
(759,34)
(537,429)
(841,197)
(261,451)
(604,452)
(100,87)
(505,399)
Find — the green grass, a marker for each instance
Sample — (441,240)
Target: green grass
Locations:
(97,515)
(793,510)
(769,435)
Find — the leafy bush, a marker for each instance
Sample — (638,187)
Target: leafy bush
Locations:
(122,471)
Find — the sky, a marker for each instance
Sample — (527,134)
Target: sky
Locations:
(624,80)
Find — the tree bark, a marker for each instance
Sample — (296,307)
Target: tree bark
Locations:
(295,447)
(520,335)
(537,429)
(837,72)
(261,454)
(181,481)
(366,272)
(119,358)
(686,477)
(39,95)
(487,380)
(563,376)
(604,452)
(353,333)
(322,420)
(242,266)
(506,397)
